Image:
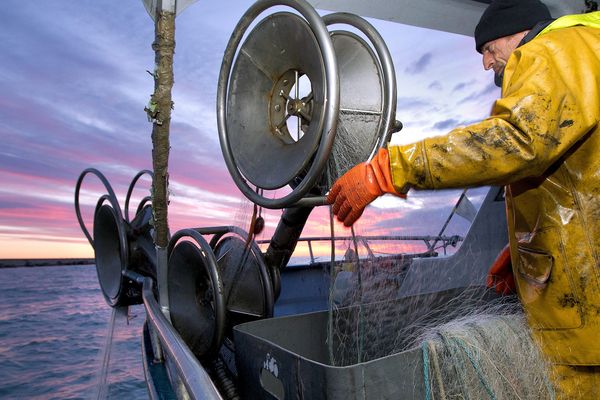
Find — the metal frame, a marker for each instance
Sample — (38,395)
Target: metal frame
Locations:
(111,197)
(130,191)
(456,16)
(364,240)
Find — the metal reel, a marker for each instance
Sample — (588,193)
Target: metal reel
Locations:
(246,281)
(119,244)
(259,144)
(195,292)
(256,97)
(262,99)
(212,287)
(111,250)
(110,243)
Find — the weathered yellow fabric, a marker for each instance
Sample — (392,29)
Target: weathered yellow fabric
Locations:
(575,382)
(590,19)
(543,141)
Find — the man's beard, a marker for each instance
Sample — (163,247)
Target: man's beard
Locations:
(499,76)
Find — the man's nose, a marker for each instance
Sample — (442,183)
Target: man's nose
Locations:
(488,61)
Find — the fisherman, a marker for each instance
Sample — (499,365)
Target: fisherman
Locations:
(542,141)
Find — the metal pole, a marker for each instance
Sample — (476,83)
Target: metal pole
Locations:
(159,112)
(312,257)
(463,194)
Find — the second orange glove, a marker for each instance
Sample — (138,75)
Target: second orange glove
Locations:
(358,187)
(500,277)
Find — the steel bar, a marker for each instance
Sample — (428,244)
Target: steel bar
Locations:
(196,380)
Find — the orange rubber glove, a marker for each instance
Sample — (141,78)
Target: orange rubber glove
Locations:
(361,185)
(500,276)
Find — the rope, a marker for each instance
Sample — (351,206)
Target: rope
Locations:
(438,371)
(487,388)
(458,366)
(425,350)
(549,387)
(331,287)
(361,319)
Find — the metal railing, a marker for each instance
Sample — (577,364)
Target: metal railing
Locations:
(195,379)
(429,240)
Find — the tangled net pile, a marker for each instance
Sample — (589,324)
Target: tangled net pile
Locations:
(473,344)
(484,356)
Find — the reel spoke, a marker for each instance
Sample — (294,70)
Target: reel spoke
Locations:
(308,98)
(285,96)
(283,122)
(297,86)
(304,115)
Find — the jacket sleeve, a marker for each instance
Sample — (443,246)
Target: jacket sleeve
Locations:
(544,112)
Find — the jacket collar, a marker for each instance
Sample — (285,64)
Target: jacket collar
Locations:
(537,28)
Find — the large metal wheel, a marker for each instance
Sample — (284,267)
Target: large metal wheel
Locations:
(112,258)
(195,292)
(348,93)
(110,242)
(255,98)
(246,281)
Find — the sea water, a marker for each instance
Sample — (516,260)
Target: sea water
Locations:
(53,328)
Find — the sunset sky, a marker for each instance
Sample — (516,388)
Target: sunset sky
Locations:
(73,86)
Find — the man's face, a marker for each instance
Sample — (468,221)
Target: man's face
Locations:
(496,53)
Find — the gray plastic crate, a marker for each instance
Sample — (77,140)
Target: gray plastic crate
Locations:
(288,357)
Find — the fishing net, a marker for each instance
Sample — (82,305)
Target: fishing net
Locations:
(484,356)
(349,147)
(119,368)
(474,344)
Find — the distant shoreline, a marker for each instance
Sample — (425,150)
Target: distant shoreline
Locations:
(44,262)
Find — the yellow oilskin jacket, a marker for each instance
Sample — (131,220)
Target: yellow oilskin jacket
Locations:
(542,141)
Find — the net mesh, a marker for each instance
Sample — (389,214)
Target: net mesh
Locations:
(353,144)
(484,356)
(475,344)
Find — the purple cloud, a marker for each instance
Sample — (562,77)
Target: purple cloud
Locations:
(419,65)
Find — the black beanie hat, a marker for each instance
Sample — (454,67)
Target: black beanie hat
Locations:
(507,17)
